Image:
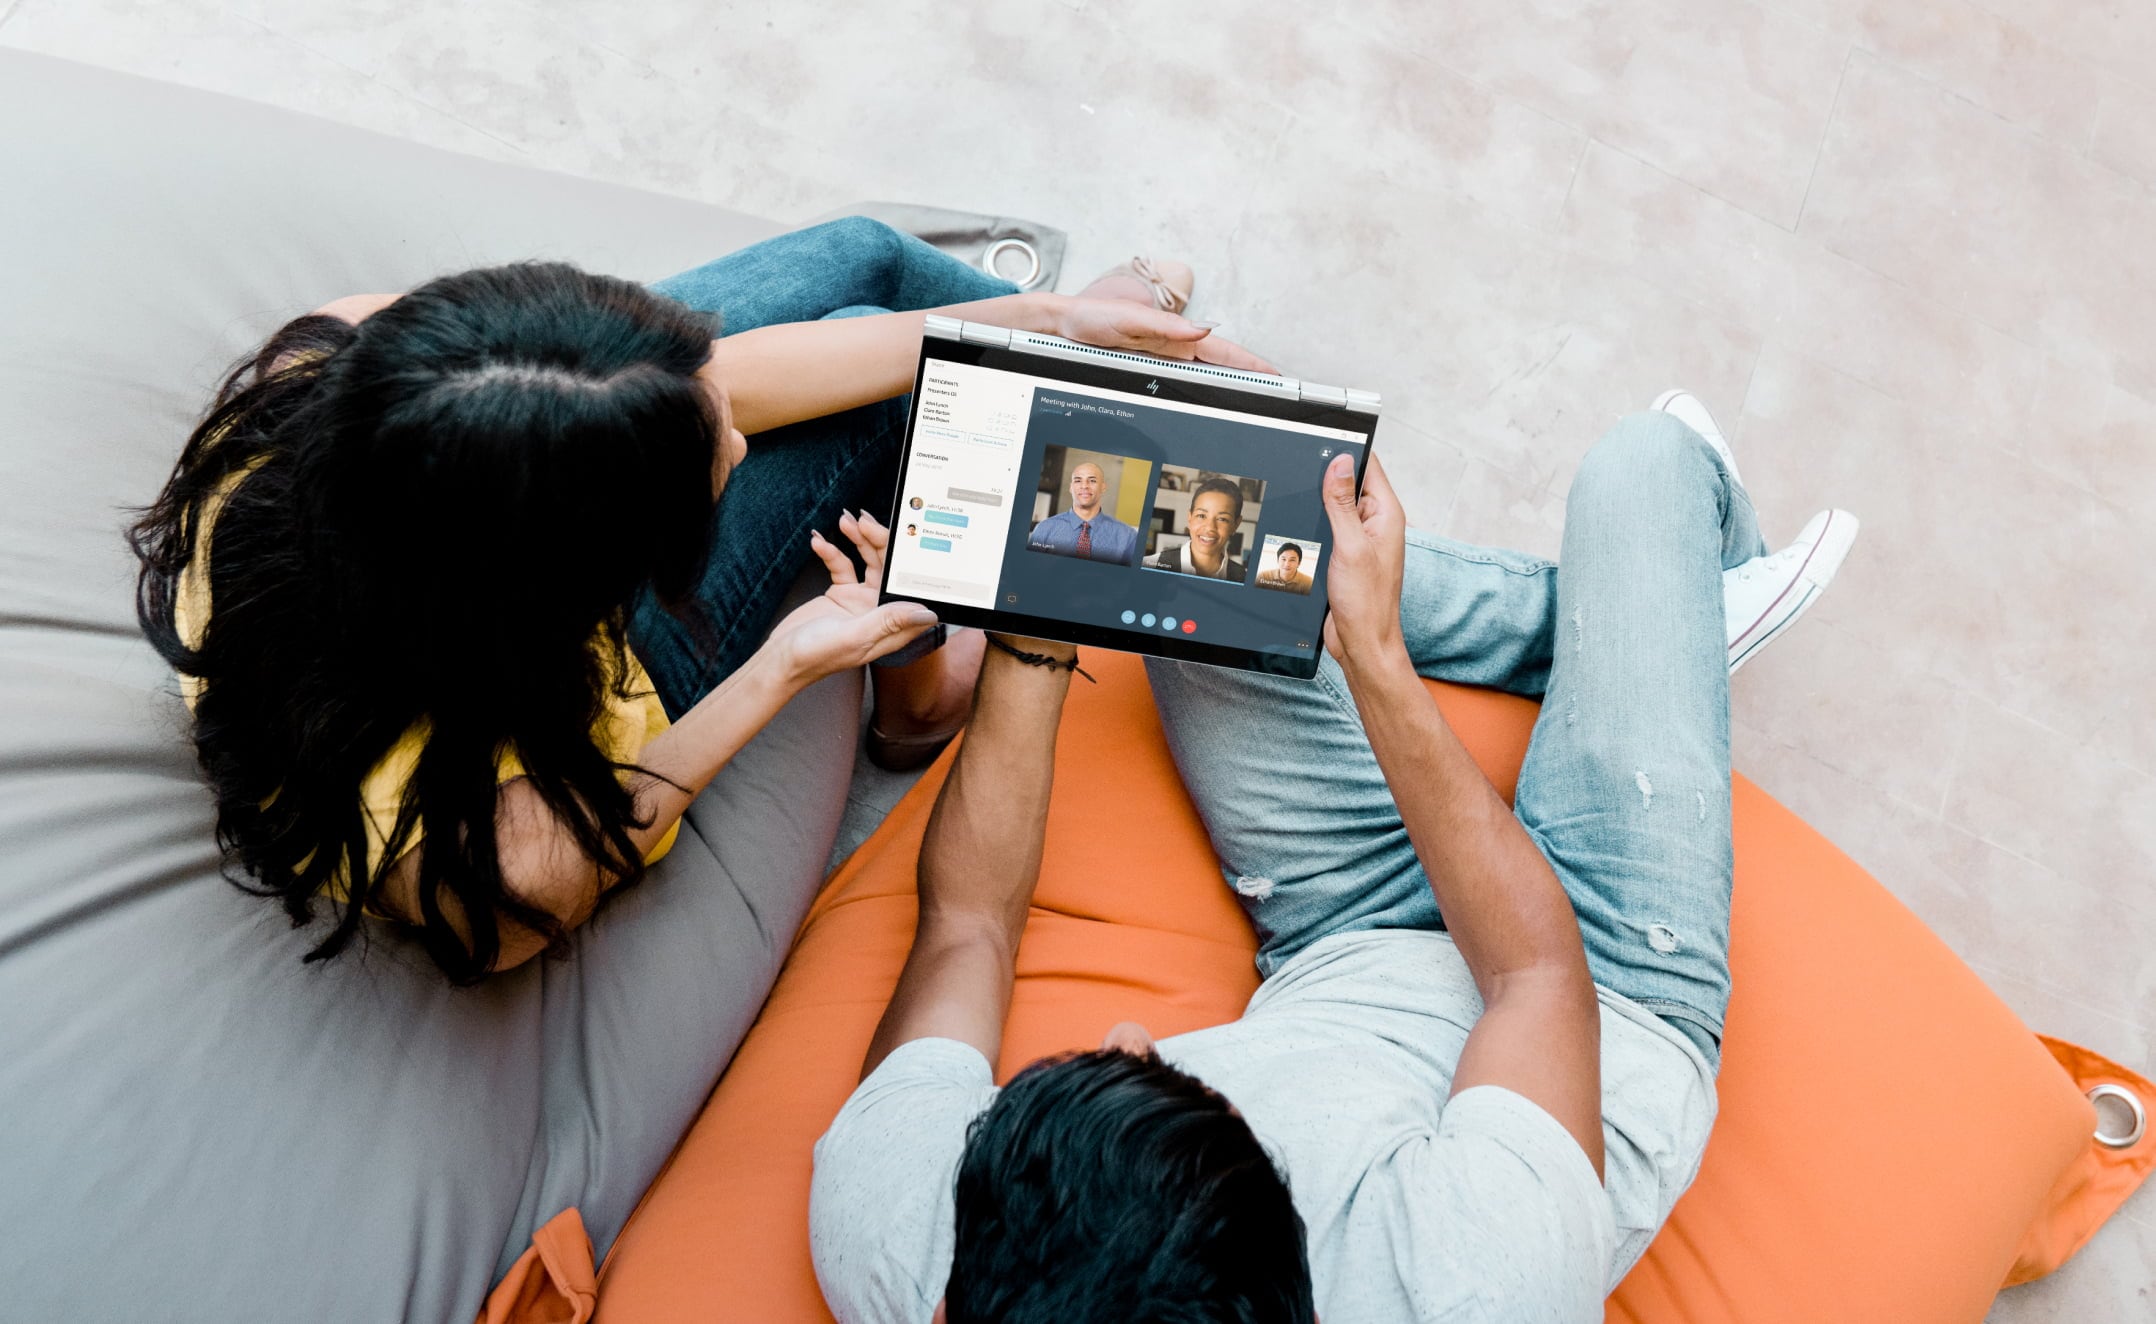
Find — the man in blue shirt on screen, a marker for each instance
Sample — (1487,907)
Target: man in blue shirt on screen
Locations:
(1085,529)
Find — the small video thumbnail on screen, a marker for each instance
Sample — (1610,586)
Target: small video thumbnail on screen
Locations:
(1203,523)
(1090,505)
(1288,565)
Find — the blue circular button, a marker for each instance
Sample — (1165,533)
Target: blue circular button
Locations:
(1129,616)
(1146,620)
(1167,622)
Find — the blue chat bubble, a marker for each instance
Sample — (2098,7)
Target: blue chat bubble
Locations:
(935,544)
(945,517)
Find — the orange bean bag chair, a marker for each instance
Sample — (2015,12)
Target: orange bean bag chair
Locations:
(1893,1144)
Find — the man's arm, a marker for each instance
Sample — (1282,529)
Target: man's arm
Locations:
(1540,1032)
(980,861)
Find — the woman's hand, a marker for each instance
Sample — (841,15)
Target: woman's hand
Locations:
(1121,324)
(1362,583)
(845,628)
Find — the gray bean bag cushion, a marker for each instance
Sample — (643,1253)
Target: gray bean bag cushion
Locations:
(194,1126)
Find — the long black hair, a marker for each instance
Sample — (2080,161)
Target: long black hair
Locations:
(434,519)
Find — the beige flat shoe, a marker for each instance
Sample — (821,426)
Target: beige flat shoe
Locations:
(1169,282)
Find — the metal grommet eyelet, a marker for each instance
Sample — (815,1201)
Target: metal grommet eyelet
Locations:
(1002,246)
(2133,1107)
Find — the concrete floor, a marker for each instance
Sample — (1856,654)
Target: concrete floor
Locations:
(1902,247)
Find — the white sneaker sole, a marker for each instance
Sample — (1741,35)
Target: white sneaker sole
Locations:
(1818,570)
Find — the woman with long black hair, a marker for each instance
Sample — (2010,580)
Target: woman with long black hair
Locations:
(471,590)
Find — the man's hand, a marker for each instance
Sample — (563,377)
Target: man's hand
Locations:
(1362,585)
(1539,1034)
(1121,324)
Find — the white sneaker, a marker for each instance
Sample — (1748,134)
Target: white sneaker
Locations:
(1686,408)
(1765,595)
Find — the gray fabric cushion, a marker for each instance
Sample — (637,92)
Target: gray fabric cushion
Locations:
(195,1125)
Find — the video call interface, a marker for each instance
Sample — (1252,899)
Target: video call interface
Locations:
(1115,510)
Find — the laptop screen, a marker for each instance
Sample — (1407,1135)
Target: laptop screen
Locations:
(1105,505)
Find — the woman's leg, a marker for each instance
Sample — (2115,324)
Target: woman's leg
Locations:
(795,479)
(799,477)
(809,274)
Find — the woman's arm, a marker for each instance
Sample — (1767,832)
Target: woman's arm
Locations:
(783,374)
(800,370)
(541,862)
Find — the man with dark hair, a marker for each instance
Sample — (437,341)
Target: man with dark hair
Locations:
(1214,1234)
(1287,574)
(1480,1116)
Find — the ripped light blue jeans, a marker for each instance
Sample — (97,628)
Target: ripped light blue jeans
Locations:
(1626,783)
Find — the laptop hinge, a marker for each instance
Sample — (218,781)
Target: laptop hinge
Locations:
(1285,388)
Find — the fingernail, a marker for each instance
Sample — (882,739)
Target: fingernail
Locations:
(1202,326)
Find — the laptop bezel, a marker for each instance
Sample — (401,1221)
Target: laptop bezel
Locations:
(1174,382)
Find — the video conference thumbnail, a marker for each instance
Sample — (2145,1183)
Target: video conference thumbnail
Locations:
(1093,505)
(1202,521)
(1089,505)
(1096,507)
(1288,565)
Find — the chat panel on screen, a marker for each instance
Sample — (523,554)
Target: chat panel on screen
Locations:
(961,487)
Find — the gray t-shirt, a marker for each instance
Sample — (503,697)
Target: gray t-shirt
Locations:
(1416,1206)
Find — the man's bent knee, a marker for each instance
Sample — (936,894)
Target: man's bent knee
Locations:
(1648,447)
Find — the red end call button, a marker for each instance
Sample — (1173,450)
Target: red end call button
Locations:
(1189,626)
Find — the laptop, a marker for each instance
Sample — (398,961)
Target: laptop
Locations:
(1102,497)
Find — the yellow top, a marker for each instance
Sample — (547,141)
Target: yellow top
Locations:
(625,725)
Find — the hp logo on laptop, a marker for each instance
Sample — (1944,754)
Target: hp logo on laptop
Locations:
(1152,388)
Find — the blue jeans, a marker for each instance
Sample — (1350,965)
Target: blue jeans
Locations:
(1625,787)
(798,477)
